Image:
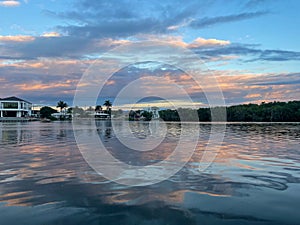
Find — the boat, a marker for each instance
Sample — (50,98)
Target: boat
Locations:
(45,120)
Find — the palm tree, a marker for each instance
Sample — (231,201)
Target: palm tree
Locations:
(61,105)
(108,105)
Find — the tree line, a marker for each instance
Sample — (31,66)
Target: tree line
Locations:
(46,111)
(264,112)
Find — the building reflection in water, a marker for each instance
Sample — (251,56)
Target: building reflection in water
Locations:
(14,133)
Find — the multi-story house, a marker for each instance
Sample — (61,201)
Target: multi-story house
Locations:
(14,107)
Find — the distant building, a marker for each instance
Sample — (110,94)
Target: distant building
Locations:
(154,110)
(101,115)
(14,107)
(36,113)
(60,115)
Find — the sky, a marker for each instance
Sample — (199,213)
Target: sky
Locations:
(251,47)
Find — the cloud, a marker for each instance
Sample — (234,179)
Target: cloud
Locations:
(256,3)
(43,80)
(251,51)
(208,21)
(39,84)
(238,88)
(54,61)
(183,24)
(243,88)
(278,79)
(41,87)
(9,3)
(116,28)
(53,45)
(279,55)
(123,19)
(51,34)
(68,47)
(253,96)
(44,65)
(17,38)
(232,49)
(200,42)
(26,64)
(161,104)
(178,41)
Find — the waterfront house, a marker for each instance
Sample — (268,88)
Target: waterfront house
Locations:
(14,107)
(62,115)
(100,113)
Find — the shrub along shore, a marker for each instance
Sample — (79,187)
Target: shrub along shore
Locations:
(264,112)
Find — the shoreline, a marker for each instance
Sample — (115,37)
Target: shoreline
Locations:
(17,119)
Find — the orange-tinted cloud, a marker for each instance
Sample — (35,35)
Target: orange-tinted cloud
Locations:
(110,82)
(22,64)
(34,87)
(50,34)
(254,95)
(16,38)
(200,42)
(10,3)
(178,41)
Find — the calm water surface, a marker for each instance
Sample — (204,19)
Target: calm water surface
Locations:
(255,178)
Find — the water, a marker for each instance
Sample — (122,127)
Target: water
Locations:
(254,179)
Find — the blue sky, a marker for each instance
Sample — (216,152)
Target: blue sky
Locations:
(252,46)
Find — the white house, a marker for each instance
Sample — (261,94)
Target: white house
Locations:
(101,115)
(59,115)
(14,107)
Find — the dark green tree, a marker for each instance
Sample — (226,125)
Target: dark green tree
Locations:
(264,112)
(46,112)
(98,108)
(77,111)
(147,115)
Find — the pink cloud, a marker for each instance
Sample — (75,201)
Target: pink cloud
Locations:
(10,3)
(200,42)
(16,38)
(34,87)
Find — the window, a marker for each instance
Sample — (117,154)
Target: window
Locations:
(10,105)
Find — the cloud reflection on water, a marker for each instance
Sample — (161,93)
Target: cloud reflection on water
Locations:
(257,165)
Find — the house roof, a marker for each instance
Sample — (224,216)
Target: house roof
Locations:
(14,98)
